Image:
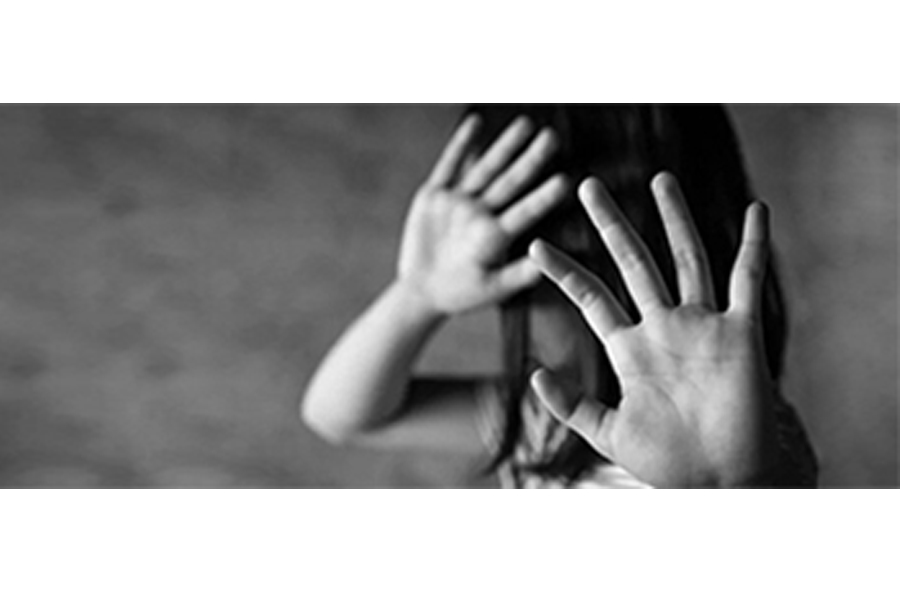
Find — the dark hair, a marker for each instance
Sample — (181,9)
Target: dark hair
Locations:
(625,146)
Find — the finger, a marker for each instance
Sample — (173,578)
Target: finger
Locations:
(691,263)
(587,417)
(467,163)
(600,308)
(512,181)
(645,284)
(527,212)
(515,277)
(448,165)
(497,157)
(745,287)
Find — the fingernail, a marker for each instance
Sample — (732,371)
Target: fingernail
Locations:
(585,187)
(665,181)
(658,183)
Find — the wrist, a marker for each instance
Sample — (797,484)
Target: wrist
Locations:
(761,473)
(416,303)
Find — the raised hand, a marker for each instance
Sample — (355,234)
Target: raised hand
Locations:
(465,217)
(696,406)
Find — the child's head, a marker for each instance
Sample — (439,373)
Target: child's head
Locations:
(625,146)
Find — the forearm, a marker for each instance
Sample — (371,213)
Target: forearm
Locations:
(363,379)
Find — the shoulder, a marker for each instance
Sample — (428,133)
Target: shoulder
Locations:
(797,463)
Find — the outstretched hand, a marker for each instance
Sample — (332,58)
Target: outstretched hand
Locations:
(696,406)
(465,217)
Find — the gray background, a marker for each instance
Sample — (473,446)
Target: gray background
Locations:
(169,277)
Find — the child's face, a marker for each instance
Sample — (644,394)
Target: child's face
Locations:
(560,339)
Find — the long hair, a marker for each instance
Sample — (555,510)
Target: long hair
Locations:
(625,146)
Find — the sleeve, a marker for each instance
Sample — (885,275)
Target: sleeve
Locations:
(797,464)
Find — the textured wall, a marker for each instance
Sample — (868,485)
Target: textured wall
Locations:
(169,277)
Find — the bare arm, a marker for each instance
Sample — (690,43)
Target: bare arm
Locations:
(452,259)
(438,414)
(363,379)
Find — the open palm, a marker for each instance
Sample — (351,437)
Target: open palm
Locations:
(464,218)
(697,399)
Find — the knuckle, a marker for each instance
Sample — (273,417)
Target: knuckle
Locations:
(753,264)
(582,294)
(689,259)
(629,259)
(753,273)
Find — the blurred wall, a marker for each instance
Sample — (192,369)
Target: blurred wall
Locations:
(830,174)
(169,277)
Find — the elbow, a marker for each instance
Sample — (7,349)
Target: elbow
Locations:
(325,425)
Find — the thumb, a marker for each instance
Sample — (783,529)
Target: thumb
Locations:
(587,417)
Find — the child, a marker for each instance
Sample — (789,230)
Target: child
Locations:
(648,359)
